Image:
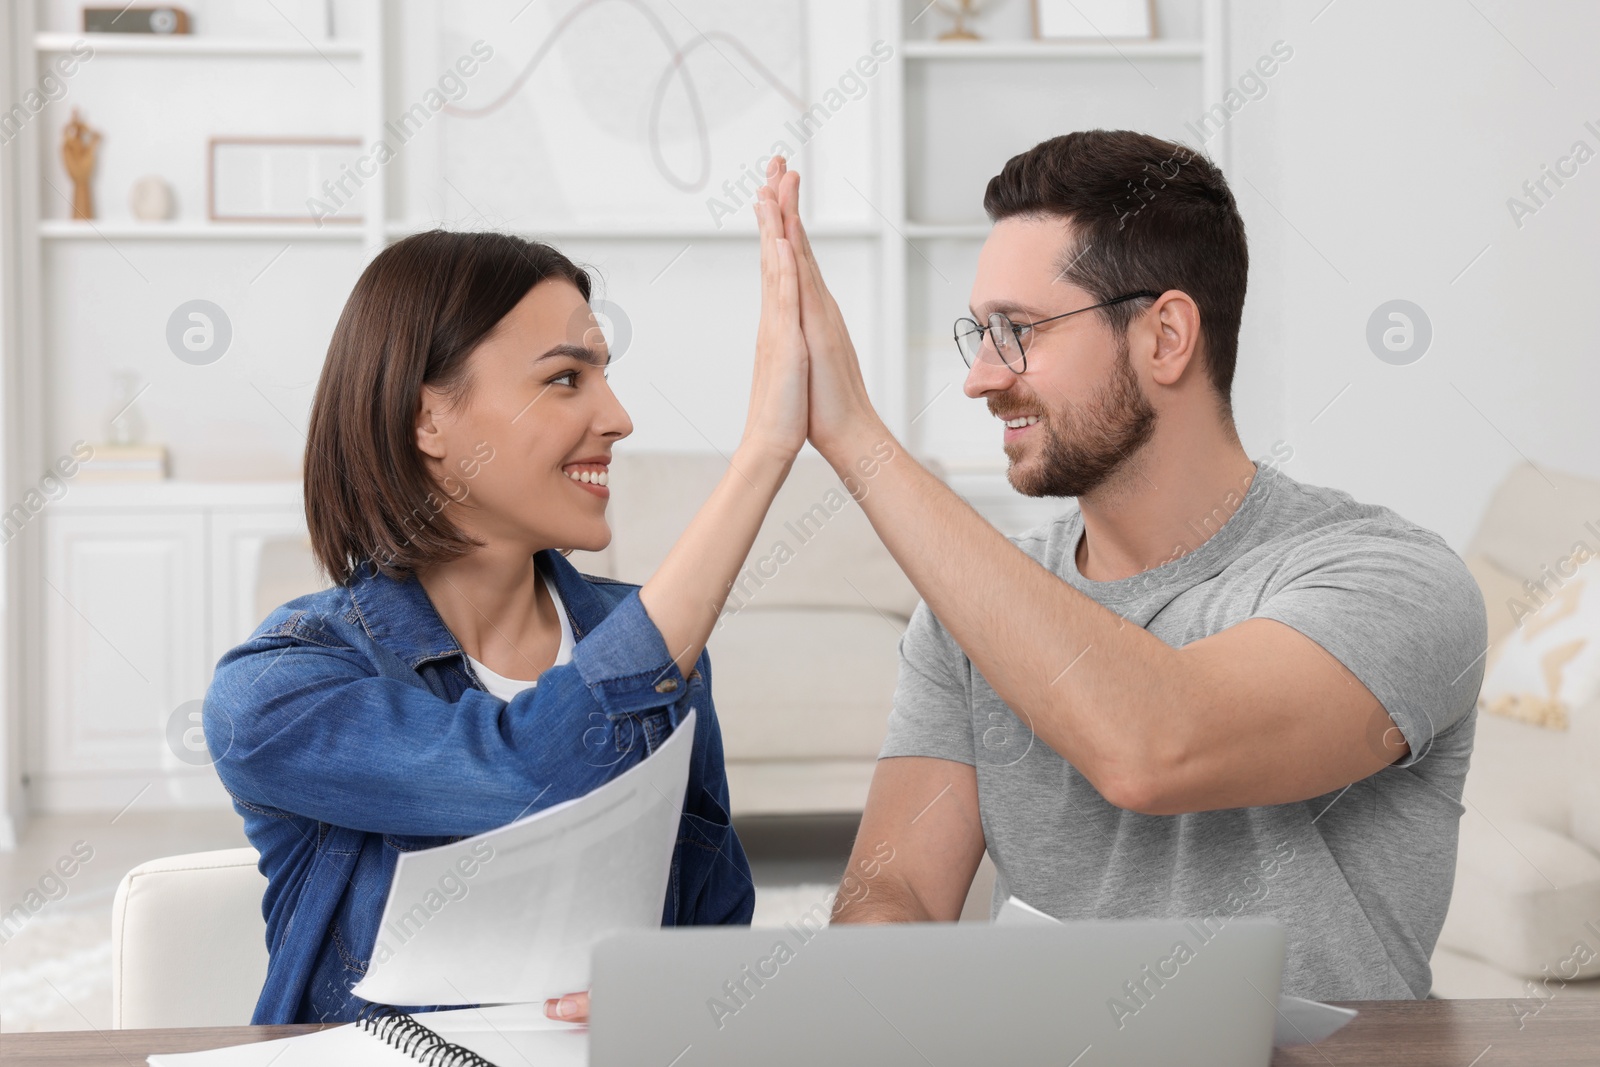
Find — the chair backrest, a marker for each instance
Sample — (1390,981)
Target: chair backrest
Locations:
(188,943)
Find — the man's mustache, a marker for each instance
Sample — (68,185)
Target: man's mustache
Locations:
(1011,411)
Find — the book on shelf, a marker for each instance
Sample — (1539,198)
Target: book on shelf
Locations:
(125,463)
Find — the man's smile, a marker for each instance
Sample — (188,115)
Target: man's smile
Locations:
(1016,425)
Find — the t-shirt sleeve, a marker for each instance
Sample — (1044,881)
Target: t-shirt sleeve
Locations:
(1398,608)
(932,713)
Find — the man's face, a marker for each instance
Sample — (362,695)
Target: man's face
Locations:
(1092,416)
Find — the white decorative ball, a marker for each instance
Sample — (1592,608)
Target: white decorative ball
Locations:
(151,199)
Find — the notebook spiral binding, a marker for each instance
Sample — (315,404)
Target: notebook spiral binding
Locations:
(401,1031)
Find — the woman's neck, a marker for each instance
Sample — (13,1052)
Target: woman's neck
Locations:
(491,600)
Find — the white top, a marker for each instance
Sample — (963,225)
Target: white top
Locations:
(506,688)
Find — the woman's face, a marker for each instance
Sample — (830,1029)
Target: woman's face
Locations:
(523,457)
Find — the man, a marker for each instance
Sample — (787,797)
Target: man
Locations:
(1209,690)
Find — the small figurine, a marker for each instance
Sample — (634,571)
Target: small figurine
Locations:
(965,9)
(78,143)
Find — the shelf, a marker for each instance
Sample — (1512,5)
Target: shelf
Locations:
(971,231)
(153,44)
(668,232)
(1131,49)
(172,493)
(132,229)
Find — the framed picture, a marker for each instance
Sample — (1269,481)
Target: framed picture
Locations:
(1092,20)
(284,179)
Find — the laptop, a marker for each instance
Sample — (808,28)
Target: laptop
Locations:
(1081,994)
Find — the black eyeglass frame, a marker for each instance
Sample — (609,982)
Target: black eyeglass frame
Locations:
(1017,328)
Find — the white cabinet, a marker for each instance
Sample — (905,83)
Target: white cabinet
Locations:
(250,570)
(145,587)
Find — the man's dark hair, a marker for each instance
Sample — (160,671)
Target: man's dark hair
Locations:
(417,312)
(1145,214)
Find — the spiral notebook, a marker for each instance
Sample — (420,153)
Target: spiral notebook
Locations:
(508,1035)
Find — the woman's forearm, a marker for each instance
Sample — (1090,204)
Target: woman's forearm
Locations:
(685,595)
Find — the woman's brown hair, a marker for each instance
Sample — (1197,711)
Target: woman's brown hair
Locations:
(416,313)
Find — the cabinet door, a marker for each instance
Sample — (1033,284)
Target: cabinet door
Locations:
(259,559)
(126,621)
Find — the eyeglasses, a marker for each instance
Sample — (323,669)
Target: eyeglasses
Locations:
(1010,339)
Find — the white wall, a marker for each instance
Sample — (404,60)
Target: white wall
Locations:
(1377,167)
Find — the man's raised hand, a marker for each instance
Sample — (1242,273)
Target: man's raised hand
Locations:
(839,402)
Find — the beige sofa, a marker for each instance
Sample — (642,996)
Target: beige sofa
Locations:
(1528,868)
(803,661)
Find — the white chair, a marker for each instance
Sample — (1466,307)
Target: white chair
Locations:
(188,944)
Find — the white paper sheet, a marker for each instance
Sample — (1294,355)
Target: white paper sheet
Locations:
(1298,1022)
(541,891)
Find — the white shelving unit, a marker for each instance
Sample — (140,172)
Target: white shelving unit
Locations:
(365,50)
(100,572)
(46,42)
(75,230)
(187,544)
(1051,50)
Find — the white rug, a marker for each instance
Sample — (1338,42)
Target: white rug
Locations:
(56,973)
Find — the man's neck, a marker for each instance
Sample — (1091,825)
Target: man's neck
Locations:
(1164,503)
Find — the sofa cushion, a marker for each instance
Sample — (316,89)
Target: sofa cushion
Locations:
(1537,516)
(1583,774)
(1525,898)
(1502,591)
(1551,663)
(799,684)
(1519,772)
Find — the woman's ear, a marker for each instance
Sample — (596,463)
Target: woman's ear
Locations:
(431,422)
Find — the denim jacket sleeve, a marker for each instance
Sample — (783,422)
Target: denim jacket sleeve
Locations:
(306,721)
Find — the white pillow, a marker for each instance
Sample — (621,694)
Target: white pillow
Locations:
(1550,664)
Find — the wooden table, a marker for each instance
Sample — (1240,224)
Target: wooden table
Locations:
(1428,1033)
(1460,1033)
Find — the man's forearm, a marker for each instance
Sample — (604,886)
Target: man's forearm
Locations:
(1093,688)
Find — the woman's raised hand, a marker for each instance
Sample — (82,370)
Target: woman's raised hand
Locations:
(777,420)
(837,399)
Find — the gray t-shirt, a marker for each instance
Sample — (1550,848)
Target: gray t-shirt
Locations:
(1360,878)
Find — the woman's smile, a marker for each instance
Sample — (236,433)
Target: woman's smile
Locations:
(591,475)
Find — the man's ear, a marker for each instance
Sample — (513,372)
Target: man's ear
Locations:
(431,422)
(1173,321)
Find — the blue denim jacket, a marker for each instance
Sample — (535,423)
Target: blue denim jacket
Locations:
(350,728)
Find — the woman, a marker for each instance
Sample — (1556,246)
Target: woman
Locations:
(461,673)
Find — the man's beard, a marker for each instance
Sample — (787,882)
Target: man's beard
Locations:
(1092,442)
